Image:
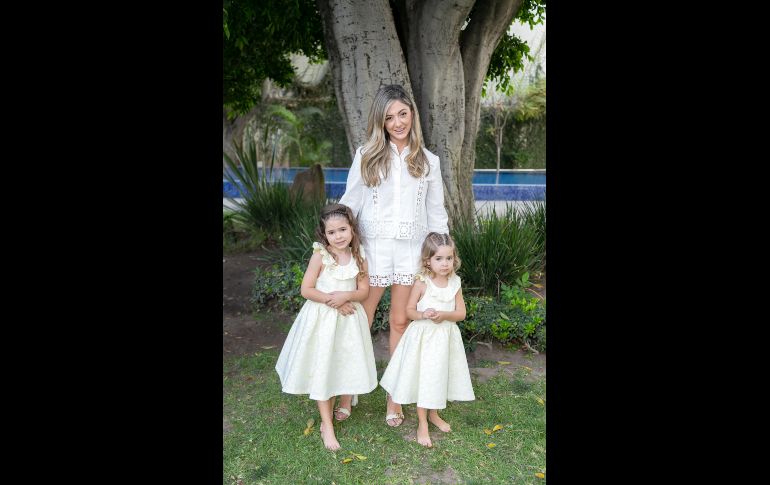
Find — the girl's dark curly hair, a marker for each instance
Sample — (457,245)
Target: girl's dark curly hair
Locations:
(341,210)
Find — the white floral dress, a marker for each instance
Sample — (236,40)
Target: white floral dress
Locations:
(429,366)
(326,353)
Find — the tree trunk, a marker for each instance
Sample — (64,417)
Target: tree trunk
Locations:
(232,130)
(435,66)
(364,53)
(446,65)
(491,19)
(498,143)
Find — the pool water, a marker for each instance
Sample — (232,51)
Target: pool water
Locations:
(487,184)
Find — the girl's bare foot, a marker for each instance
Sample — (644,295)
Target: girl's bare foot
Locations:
(330,441)
(423,437)
(434,418)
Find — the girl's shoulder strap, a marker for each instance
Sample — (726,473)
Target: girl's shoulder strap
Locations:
(326,258)
(455,283)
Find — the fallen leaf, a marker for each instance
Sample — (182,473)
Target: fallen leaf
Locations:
(310,422)
(487,431)
(497,427)
(491,445)
(537,285)
(540,475)
(347,460)
(528,368)
(360,457)
(249,378)
(307,431)
(267,346)
(541,401)
(503,362)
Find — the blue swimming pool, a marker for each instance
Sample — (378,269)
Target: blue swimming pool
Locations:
(487,184)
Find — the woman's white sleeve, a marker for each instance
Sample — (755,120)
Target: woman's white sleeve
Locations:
(434,201)
(354,188)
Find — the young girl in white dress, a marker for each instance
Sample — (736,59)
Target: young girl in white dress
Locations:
(328,351)
(429,365)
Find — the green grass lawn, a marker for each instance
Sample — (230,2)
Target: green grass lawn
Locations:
(264,441)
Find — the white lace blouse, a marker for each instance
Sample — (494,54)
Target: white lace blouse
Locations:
(402,206)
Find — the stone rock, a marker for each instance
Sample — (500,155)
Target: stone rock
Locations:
(311,183)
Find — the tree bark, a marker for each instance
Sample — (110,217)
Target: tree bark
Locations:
(491,19)
(364,53)
(232,130)
(435,66)
(445,74)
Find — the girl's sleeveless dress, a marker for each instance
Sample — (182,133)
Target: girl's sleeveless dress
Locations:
(327,354)
(429,365)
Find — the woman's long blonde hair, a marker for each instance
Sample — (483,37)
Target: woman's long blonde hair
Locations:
(375,157)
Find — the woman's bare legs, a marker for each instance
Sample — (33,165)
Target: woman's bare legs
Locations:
(327,427)
(399,297)
(423,437)
(371,302)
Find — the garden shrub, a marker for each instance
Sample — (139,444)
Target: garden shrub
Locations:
(517,317)
(239,238)
(496,249)
(382,314)
(295,243)
(278,287)
(263,205)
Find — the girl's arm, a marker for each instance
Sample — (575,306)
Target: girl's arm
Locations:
(411,306)
(311,276)
(337,298)
(354,188)
(455,315)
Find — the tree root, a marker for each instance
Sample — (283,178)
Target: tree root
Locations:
(526,344)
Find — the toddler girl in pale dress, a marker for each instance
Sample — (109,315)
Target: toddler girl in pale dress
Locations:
(429,366)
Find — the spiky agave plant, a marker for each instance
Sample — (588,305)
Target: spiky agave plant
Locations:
(263,204)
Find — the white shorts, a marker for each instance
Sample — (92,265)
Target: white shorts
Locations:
(392,261)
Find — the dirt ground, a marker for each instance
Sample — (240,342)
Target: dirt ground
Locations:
(243,334)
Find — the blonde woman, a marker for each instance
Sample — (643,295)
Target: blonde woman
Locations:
(395,190)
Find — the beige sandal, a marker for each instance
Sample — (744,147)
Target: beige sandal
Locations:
(392,415)
(345,411)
